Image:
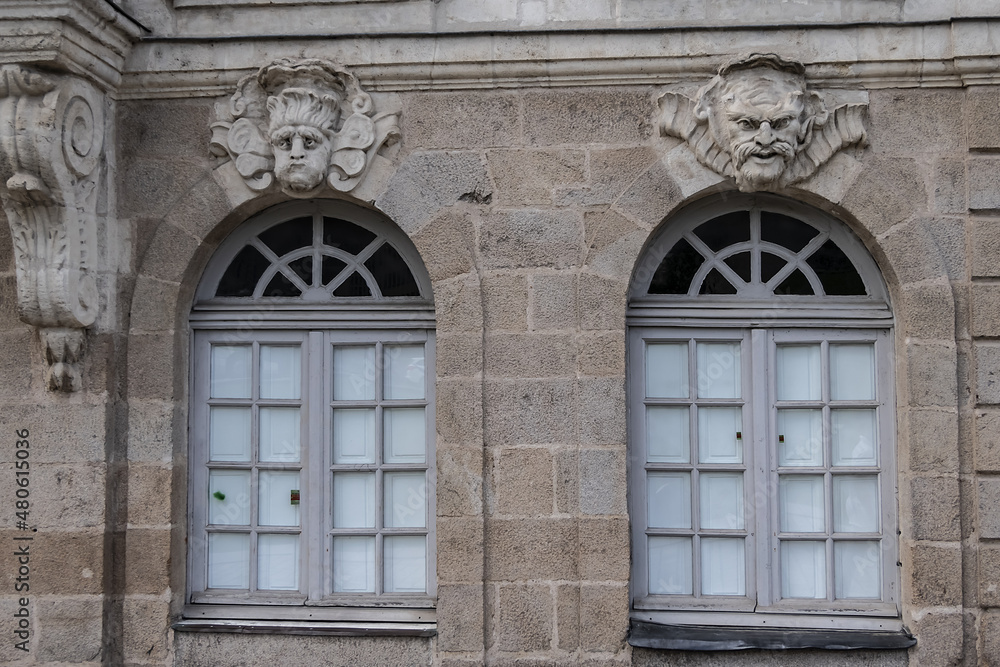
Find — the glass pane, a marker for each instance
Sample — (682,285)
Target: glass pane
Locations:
(668,434)
(405,564)
(720,435)
(668,499)
(243,273)
(274,498)
(854,438)
(303,268)
(800,437)
(354,565)
(354,436)
(229,497)
(346,235)
(798,373)
(331,268)
(675,272)
(719,370)
(229,434)
(721,500)
(353,500)
(785,231)
(795,284)
(667,370)
(670,566)
(231,371)
(285,237)
(228,560)
(803,570)
(405,435)
(723,566)
(836,272)
(404,371)
(354,373)
(280,371)
(857,570)
(405,499)
(278,562)
(740,263)
(279,434)
(355,285)
(855,504)
(852,372)
(716,283)
(391,273)
(280,285)
(800,501)
(725,230)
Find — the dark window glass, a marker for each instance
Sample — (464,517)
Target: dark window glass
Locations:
(769,266)
(391,273)
(796,284)
(346,235)
(740,263)
(355,285)
(288,236)
(835,271)
(303,268)
(715,283)
(674,274)
(331,268)
(281,286)
(242,274)
(725,230)
(784,231)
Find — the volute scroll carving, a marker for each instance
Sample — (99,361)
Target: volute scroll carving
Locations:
(303,126)
(758,123)
(51,145)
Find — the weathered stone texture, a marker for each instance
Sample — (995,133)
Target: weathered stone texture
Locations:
(598,117)
(988,487)
(528,549)
(888,191)
(916,121)
(529,177)
(524,618)
(983,117)
(491,119)
(932,439)
(936,573)
(552,301)
(520,238)
(984,183)
(522,482)
(985,247)
(987,374)
(930,508)
(460,618)
(446,244)
(196,649)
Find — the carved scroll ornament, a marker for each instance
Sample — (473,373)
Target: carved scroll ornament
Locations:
(758,123)
(305,123)
(51,141)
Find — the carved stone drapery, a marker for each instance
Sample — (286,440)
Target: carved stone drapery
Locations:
(51,142)
(303,126)
(759,124)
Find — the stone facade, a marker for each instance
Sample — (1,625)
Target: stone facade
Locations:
(530,172)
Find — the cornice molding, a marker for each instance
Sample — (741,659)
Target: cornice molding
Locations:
(85,37)
(856,57)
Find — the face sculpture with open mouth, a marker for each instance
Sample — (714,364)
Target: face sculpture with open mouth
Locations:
(761,118)
(301,129)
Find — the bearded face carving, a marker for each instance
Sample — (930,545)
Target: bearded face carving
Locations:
(303,126)
(758,123)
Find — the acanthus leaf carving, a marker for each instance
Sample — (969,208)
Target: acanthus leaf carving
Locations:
(759,124)
(51,142)
(303,125)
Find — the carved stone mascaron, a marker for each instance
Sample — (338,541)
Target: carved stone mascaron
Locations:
(303,125)
(759,124)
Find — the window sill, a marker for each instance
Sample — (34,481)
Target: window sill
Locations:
(728,638)
(336,629)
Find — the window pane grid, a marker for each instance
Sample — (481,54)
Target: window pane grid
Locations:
(838,577)
(714,372)
(408,379)
(246,505)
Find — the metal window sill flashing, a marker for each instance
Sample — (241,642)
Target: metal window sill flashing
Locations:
(643,634)
(336,629)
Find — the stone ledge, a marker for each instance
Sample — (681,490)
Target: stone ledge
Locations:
(337,629)
(717,638)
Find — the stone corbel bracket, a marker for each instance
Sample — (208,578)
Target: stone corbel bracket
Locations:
(51,142)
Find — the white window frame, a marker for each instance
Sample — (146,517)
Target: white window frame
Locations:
(318,326)
(758,322)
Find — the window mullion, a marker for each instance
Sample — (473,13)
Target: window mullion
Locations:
(316,519)
(757,370)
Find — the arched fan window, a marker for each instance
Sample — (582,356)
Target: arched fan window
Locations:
(761,433)
(312,426)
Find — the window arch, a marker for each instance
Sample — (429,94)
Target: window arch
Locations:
(761,432)
(312,425)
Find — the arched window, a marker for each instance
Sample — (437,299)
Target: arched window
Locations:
(312,423)
(762,432)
